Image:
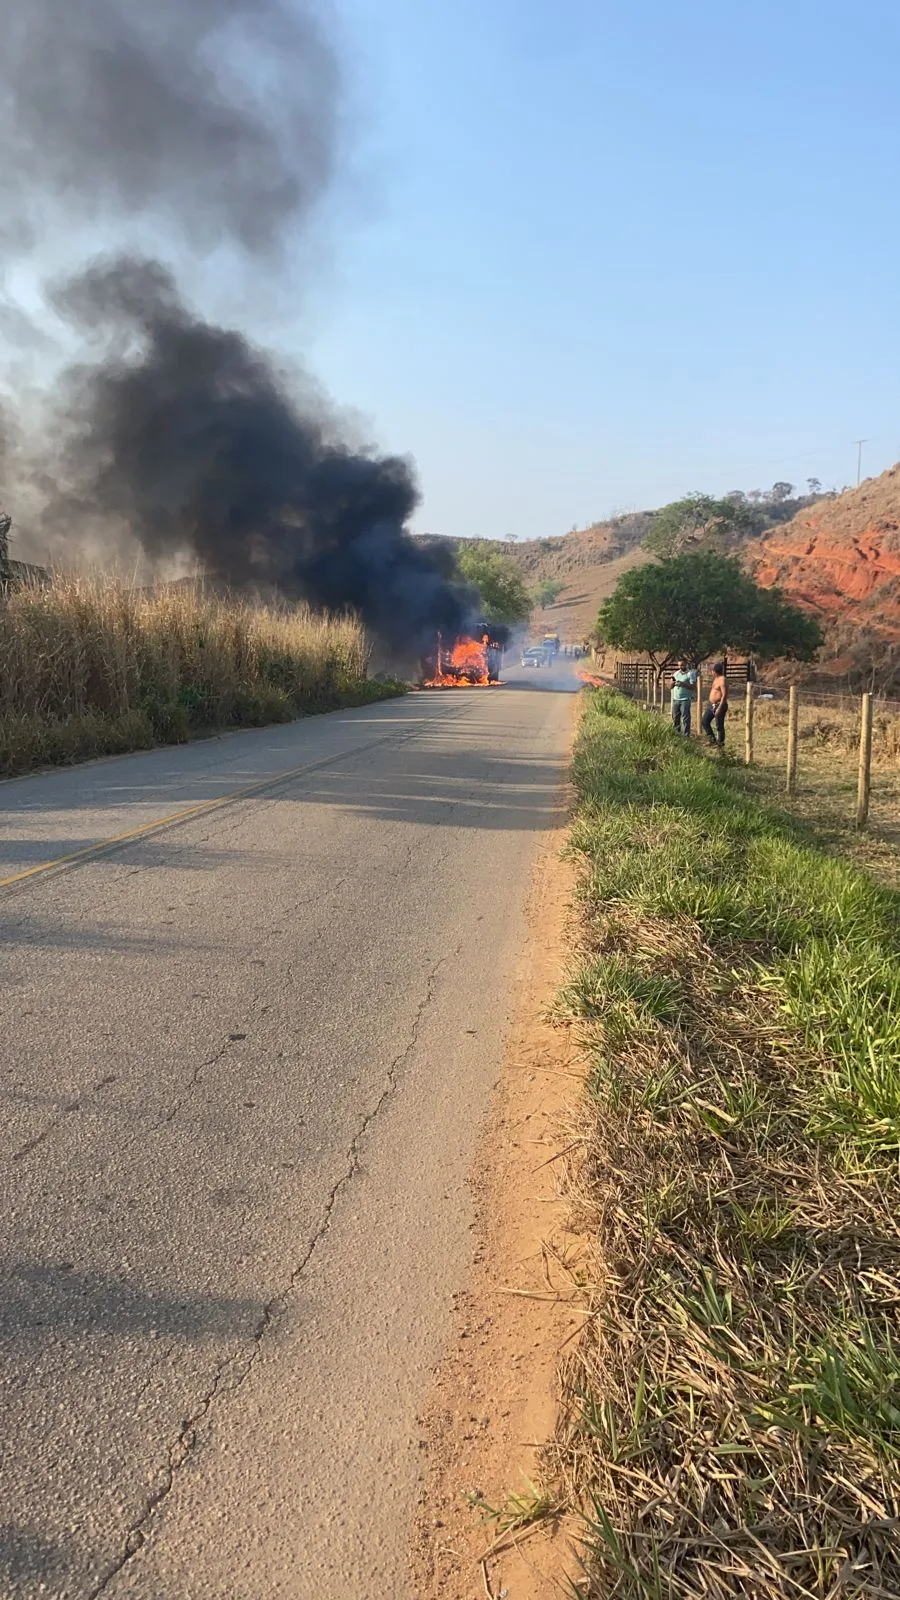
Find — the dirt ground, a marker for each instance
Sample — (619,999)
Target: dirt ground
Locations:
(493,1403)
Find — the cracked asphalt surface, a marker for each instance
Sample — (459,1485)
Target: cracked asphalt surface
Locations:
(243,1065)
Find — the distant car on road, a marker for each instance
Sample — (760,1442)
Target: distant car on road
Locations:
(534,657)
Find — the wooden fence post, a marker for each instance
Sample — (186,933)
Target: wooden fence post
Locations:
(748,725)
(865,762)
(792,741)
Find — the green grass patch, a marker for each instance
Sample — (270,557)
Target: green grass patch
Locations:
(733,1418)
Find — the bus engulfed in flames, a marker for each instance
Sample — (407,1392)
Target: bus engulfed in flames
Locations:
(467,663)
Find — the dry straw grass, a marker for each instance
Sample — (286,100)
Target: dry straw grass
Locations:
(828,760)
(833,725)
(90,667)
(733,1409)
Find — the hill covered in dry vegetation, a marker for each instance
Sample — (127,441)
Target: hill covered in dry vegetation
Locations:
(588,562)
(837,557)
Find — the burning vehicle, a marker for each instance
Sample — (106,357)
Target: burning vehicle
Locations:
(467,661)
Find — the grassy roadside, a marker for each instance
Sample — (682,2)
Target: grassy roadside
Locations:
(733,1417)
(90,668)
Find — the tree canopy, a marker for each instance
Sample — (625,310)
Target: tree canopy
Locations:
(697,518)
(498,581)
(546,591)
(702,521)
(698,605)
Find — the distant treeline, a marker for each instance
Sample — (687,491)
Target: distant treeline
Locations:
(702,519)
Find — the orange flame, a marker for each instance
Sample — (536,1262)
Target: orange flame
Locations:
(463,667)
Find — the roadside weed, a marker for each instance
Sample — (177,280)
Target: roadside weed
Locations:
(517,1510)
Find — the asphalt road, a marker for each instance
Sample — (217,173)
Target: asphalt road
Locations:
(243,1060)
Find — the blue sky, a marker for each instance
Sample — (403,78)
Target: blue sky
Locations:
(590,256)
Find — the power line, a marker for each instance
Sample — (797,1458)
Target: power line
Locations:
(859,444)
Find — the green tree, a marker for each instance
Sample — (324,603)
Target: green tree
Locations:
(547,591)
(498,580)
(699,604)
(773,627)
(698,519)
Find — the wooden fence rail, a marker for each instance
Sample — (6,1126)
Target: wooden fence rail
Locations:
(639,680)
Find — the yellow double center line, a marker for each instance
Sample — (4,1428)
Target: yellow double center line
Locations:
(91,851)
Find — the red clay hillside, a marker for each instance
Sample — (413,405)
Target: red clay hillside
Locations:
(841,557)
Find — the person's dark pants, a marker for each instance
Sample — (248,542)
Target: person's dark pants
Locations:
(681,716)
(714,719)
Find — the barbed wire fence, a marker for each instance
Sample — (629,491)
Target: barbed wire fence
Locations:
(835,736)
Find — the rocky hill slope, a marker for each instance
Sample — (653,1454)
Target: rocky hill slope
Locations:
(841,557)
(572,553)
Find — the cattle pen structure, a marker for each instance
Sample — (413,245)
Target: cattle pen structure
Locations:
(13,574)
(644,681)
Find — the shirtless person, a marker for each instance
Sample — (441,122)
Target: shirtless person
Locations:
(717,708)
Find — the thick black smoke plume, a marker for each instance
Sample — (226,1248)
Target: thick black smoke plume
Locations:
(205,124)
(217,118)
(187,434)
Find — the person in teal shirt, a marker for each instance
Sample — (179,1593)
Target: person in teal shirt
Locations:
(684,682)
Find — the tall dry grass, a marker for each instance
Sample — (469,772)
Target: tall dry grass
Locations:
(827,769)
(832,725)
(91,667)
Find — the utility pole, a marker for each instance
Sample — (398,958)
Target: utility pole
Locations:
(859,444)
